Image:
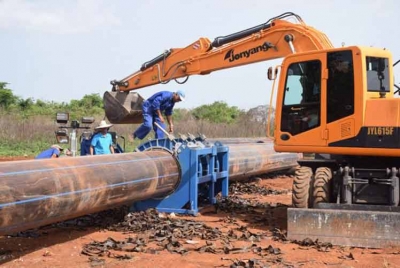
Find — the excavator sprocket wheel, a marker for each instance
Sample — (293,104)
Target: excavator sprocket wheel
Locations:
(322,186)
(301,187)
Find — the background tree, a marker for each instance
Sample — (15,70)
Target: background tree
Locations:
(217,112)
(25,104)
(90,101)
(7,98)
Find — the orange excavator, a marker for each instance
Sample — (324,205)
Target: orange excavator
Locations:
(336,103)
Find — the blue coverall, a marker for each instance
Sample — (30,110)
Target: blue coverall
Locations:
(48,153)
(160,101)
(85,146)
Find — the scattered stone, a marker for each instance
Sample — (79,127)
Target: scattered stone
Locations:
(256,180)
(307,242)
(33,233)
(47,253)
(101,219)
(347,257)
(249,263)
(237,188)
(171,234)
(94,261)
(5,255)
(192,242)
(278,235)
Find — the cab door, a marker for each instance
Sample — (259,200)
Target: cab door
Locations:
(340,102)
(301,116)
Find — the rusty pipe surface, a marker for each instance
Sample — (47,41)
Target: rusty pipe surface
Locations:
(34,193)
(259,158)
(228,141)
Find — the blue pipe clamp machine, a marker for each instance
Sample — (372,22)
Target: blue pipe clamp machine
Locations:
(203,168)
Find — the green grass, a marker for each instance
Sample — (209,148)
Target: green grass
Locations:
(24,148)
(31,136)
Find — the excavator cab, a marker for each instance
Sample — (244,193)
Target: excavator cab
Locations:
(339,105)
(328,99)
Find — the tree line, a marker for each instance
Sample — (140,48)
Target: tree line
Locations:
(92,105)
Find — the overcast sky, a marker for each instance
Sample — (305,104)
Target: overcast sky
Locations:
(61,50)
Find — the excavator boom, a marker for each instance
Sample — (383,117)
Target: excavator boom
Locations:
(271,40)
(274,39)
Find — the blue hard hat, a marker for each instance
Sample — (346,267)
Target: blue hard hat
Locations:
(181,95)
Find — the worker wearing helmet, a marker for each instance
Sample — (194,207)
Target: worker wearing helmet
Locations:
(153,107)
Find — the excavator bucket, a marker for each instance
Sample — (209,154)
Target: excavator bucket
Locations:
(123,107)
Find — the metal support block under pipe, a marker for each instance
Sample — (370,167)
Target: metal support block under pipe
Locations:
(34,193)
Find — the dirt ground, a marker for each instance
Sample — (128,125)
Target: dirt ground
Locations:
(14,158)
(263,228)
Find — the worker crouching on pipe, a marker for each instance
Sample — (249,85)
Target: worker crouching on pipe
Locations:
(161,102)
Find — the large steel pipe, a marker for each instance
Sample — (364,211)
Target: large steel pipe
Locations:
(34,193)
(228,141)
(254,159)
(255,156)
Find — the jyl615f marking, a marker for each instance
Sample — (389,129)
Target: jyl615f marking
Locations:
(380,131)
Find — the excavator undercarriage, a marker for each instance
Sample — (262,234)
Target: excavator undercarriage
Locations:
(342,201)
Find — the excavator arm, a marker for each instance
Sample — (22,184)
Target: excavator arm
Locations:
(274,39)
(271,40)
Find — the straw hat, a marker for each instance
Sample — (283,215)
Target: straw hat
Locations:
(57,147)
(103,124)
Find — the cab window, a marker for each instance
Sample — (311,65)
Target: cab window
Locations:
(302,97)
(377,74)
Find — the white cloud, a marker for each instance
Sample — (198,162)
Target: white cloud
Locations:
(55,16)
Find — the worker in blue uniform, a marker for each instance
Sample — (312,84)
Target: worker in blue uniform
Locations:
(153,107)
(85,145)
(53,152)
